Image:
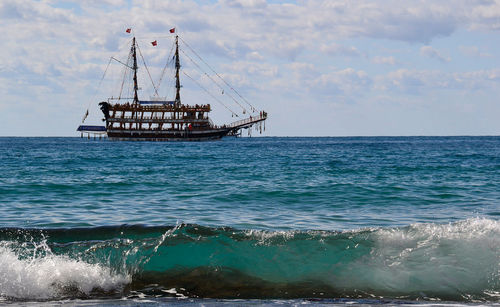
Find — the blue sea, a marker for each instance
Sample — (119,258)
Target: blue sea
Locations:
(250,221)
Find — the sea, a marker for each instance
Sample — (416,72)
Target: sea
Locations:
(262,221)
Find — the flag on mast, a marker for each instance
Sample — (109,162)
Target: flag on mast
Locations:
(154,43)
(172,30)
(128,30)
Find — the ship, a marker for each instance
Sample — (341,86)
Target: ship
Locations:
(156,119)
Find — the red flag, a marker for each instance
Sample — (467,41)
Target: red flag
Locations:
(128,30)
(154,43)
(172,30)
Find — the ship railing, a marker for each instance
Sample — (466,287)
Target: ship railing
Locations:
(161,107)
(158,118)
(248,121)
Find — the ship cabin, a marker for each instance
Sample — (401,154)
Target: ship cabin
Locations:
(157,115)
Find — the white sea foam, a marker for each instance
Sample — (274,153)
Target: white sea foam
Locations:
(450,260)
(50,276)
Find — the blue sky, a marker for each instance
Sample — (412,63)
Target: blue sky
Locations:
(319,68)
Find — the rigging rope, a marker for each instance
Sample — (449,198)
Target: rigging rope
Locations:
(170,86)
(125,74)
(146,66)
(98,87)
(201,71)
(166,65)
(253,108)
(126,65)
(215,98)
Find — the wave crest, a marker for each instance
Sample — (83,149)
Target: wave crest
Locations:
(51,276)
(457,261)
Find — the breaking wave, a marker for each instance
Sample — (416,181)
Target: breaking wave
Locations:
(50,276)
(457,262)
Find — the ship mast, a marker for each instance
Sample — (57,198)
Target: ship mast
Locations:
(177,67)
(134,67)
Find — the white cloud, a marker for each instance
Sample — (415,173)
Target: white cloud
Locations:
(253,68)
(389,60)
(345,81)
(474,51)
(254,55)
(430,52)
(246,3)
(336,49)
(420,81)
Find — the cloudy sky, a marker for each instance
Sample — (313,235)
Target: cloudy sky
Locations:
(319,68)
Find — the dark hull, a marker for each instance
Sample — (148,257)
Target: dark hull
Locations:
(165,135)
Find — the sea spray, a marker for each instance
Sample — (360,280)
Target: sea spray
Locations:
(47,276)
(457,261)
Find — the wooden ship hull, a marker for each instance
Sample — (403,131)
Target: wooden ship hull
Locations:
(162,136)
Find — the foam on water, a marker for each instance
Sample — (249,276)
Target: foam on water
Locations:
(48,276)
(447,261)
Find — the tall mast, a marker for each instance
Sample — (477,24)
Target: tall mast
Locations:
(134,67)
(177,67)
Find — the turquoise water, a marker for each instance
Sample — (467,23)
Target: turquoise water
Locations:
(364,219)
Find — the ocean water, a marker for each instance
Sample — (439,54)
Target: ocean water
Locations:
(250,221)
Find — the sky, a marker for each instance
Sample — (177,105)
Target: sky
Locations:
(318,68)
